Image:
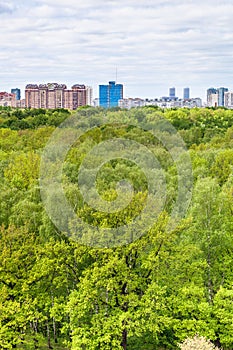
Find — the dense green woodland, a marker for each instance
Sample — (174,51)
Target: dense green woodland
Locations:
(150,294)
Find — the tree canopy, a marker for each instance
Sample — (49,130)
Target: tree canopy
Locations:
(152,291)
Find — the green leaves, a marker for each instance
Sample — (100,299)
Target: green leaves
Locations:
(150,294)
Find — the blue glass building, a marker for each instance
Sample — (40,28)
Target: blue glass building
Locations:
(221,96)
(186,93)
(110,94)
(16,92)
(172,93)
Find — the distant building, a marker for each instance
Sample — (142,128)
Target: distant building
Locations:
(228,98)
(186,94)
(17,93)
(212,97)
(221,94)
(161,103)
(192,102)
(20,103)
(165,99)
(53,95)
(110,94)
(131,103)
(172,93)
(79,93)
(89,95)
(7,99)
(95,102)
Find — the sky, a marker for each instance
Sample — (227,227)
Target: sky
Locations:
(146,45)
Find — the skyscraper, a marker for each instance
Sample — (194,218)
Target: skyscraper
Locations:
(221,94)
(186,93)
(172,93)
(110,94)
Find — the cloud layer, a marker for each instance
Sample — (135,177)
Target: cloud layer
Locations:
(153,44)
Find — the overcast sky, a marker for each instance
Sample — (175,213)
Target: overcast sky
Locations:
(154,44)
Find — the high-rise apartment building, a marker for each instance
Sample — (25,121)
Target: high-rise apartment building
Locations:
(228,99)
(212,97)
(186,94)
(79,95)
(221,94)
(110,94)
(89,96)
(216,97)
(32,97)
(53,95)
(17,93)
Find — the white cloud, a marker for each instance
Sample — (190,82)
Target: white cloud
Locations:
(6,7)
(154,44)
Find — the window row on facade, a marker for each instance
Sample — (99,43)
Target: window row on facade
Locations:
(53,95)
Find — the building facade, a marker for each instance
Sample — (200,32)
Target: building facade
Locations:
(212,97)
(7,99)
(110,94)
(228,98)
(17,93)
(186,94)
(131,103)
(221,96)
(161,103)
(172,93)
(89,96)
(53,96)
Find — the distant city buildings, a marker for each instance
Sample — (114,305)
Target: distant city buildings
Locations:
(89,95)
(218,97)
(11,99)
(110,94)
(228,96)
(186,94)
(95,102)
(7,99)
(131,103)
(17,93)
(163,102)
(53,95)
(172,93)
(221,96)
(212,97)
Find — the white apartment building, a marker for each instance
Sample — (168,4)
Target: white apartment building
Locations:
(131,103)
(89,95)
(228,97)
(212,100)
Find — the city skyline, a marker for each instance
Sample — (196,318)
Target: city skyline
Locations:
(153,45)
(56,95)
(216,92)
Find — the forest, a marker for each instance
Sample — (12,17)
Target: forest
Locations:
(151,287)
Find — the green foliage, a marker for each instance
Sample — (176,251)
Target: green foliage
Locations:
(151,294)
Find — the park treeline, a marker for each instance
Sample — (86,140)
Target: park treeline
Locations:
(61,292)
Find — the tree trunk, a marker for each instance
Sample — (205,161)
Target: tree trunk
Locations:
(54,331)
(48,336)
(124,339)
